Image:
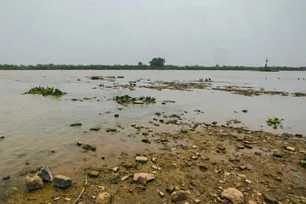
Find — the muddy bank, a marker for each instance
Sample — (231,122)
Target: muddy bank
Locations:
(197,165)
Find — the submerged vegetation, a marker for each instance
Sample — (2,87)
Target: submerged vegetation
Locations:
(126,99)
(46,91)
(275,122)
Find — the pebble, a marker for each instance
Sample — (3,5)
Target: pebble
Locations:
(94,174)
(269,198)
(141,159)
(115,169)
(143,178)
(103,198)
(79,143)
(170,189)
(6,177)
(290,148)
(277,154)
(67,199)
(124,178)
(45,174)
(56,198)
(161,194)
(197,200)
(180,196)
(62,181)
(34,182)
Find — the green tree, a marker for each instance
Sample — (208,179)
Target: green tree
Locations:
(157,62)
(140,64)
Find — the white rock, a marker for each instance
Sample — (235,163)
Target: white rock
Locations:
(233,195)
(141,159)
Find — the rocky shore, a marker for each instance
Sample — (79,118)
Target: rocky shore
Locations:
(214,164)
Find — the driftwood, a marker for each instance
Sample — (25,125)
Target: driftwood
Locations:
(82,192)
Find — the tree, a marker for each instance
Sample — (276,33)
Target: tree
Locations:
(140,64)
(157,62)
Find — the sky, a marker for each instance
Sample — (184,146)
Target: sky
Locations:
(184,32)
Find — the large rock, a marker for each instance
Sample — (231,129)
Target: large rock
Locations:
(180,196)
(62,181)
(34,182)
(143,178)
(94,174)
(269,198)
(103,198)
(45,174)
(233,195)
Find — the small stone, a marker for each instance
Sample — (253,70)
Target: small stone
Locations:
(180,196)
(141,159)
(116,115)
(45,174)
(244,111)
(277,154)
(252,202)
(67,199)
(154,159)
(115,169)
(103,198)
(34,182)
(94,174)
(194,147)
(194,157)
(147,141)
(79,143)
(76,124)
(143,178)
(6,177)
(170,189)
(2,137)
(56,198)
(62,181)
(233,195)
(161,194)
(94,129)
(88,147)
(299,135)
(290,148)
(124,178)
(145,133)
(269,198)
(243,167)
(248,181)
(197,201)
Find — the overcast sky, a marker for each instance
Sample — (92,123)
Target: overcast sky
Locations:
(202,32)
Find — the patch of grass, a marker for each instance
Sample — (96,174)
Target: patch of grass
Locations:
(126,99)
(303,161)
(46,91)
(275,122)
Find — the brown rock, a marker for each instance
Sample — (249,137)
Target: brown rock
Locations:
(143,178)
(34,182)
(180,196)
(103,198)
(233,195)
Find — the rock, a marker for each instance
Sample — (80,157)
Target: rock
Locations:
(269,198)
(56,198)
(161,194)
(145,133)
(88,147)
(76,124)
(111,130)
(146,141)
(244,111)
(143,178)
(2,137)
(154,159)
(252,202)
(124,178)
(94,129)
(116,115)
(6,177)
(67,199)
(45,174)
(115,169)
(290,148)
(103,198)
(170,189)
(299,135)
(138,102)
(34,182)
(62,181)
(94,174)
(277,154)
(180,196)
(233,195)
(79,143)
(184,130)
(141,159)
(197,200)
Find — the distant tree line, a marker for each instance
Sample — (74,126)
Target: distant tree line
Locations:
(155,63)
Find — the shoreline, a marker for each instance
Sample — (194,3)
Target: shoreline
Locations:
(200,163)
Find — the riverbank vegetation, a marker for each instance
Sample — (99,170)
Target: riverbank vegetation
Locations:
(141,66)
(46,91)
(126,99)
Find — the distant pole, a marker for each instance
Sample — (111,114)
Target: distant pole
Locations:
(266,65)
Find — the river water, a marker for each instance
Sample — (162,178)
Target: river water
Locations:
(34,125)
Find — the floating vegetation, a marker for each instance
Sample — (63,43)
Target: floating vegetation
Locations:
(96,77)
(275,122)
(126,99)
(46,91)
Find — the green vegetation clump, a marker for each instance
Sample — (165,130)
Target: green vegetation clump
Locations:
(96,77)
(126,99)
(275,122)
(303,161)
(46,91)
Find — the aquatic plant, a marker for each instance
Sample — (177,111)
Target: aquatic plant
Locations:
(125,99)
(275,122)
(46,91)
(96,77)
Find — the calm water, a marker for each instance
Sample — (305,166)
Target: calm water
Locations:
(35,125)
